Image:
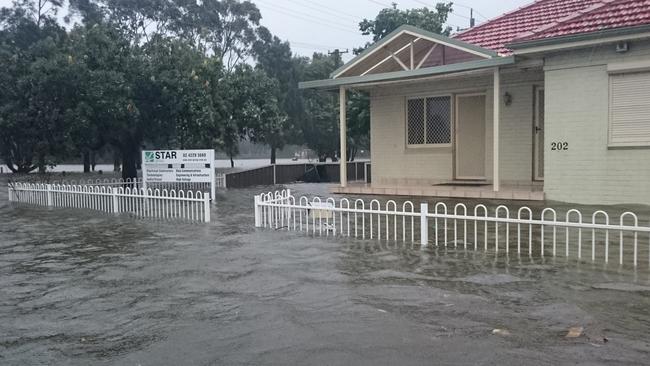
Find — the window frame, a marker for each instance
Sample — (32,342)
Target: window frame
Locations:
(611,74)
(452,126)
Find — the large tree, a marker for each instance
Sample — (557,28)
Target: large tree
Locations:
(320,121)
(33,84)
(255,108)
(274,57)
(389,19)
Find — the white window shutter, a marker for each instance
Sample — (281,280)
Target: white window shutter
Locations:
(629,109)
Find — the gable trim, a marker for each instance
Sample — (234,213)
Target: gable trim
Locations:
(413,31)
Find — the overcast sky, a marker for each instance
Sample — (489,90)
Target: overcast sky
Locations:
(323,25)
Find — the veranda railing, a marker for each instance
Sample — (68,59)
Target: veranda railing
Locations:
(547,233)
(157,204)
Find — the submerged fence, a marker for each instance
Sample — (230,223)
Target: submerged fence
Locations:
(220,182)
(157,204)
(592,237)
(295,172)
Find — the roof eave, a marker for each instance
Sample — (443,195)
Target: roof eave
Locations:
(604,35)
(408,74)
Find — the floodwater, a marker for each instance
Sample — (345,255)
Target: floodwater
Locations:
(80,288)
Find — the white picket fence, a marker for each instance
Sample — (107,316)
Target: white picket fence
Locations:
(157,204)
(547,233)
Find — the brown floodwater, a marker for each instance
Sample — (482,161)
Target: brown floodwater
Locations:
(79,288)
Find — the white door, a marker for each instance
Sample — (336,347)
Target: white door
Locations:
(470,137)
(538,131)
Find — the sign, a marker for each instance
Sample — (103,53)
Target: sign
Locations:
(178,166)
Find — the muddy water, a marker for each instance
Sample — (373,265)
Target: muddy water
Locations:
(79,288)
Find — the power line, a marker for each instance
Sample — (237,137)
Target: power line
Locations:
(470,7)
(313,45)
(381,4)
(310,16)
(325,9)
(310,20)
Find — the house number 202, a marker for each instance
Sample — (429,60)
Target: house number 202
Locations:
(559,146)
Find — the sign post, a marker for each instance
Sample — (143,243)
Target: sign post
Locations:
(178,166)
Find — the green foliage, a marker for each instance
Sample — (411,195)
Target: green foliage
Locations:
(320,126)
(255,107)
(390,19)
(33,84)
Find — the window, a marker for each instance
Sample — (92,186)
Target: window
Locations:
(629,110)
(429,121)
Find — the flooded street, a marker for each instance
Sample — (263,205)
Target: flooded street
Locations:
(79,288)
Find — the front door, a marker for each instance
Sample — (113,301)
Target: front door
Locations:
(470,137)
(538,131)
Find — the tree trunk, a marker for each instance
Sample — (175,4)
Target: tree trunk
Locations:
(130,160)
(86,155)
(41,163)
(116,161)
(352,153)
(93,160)
(272,155)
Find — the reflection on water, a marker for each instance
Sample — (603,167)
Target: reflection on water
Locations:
(83,288)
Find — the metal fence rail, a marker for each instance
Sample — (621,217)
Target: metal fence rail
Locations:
(592,237)
(157,204)
(108,182)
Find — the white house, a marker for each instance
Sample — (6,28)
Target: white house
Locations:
(550,101)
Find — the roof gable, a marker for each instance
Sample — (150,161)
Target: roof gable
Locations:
(387,54)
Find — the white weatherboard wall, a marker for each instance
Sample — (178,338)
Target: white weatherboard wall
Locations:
(395,164)
(577,98)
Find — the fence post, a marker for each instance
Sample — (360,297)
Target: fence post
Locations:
(424,224)
(206,208)
(116,208)
(48,187)
(258,218)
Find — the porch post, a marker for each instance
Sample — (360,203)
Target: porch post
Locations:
(495,145)
(343,129)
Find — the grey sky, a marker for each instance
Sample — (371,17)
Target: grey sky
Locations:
(319,25)
(322,25)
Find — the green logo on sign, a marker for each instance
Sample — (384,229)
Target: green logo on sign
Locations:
(149,157)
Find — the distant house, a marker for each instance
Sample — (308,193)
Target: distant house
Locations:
(550,101)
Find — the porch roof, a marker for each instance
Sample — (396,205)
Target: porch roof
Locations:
(407,74)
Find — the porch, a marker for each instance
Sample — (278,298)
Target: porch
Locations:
(447,119)
(531,192)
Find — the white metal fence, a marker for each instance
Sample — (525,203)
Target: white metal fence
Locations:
(549,232)
(157,204)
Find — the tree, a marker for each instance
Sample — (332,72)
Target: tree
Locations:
(255,108)
(320,121)
(390,19)
(275,59)
(358,123)
(32,104)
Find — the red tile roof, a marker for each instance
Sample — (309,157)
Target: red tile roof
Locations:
(554,18)
(613,14)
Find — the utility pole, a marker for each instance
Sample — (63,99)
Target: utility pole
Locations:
(337,54)
(472,21)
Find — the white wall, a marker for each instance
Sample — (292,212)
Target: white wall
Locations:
(395,164)
(577,98)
